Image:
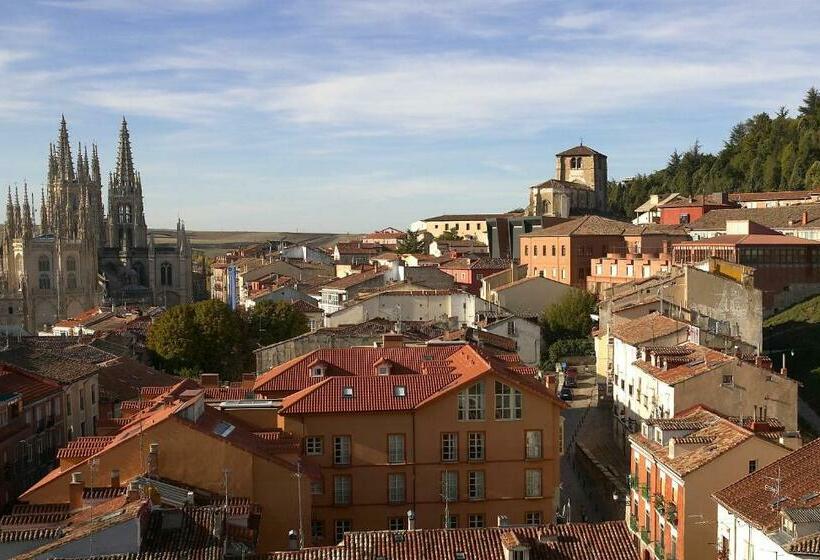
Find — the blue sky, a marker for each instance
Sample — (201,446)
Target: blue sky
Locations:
(357,114)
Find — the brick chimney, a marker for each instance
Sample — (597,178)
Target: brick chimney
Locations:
(75,491)
(209,379)
(392,340)
(132,493)
(153,459)
(804,218)
(115,478)
(248,379)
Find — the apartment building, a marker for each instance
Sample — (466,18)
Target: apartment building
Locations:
(455,434)
(468,226)
(685,210)
(774,511)
(468,272)
(780,262)
(563,252)
(176,437)
(676,464)
(800,220)
(31,429)
(615,269)
(659,371)
(774,199)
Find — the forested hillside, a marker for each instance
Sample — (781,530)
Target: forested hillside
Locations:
(765,153)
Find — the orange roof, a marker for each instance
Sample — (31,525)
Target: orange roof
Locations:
(713,435)
(798,487)
(748,239)
(690,360)
(646,328)
(396,393)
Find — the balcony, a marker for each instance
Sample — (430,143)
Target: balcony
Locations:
(660,505)
(633,523)
(659,553)
(645,536)
(672,513)
(632,481)
(645,491)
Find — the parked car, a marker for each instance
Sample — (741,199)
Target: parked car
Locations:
(565,394)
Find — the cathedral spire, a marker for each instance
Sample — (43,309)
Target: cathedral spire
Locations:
(10,225)
(80,161)
(96,178)
(43,213)
(18,223)
(124,173)
(64,153)
(26,227)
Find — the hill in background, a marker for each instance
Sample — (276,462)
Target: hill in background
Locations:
(213,243)
(765,153)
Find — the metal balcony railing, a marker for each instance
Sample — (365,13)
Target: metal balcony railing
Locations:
(660,505)
(645,536)
(672,513)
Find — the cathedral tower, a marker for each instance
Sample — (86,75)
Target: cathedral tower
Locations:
(126,219)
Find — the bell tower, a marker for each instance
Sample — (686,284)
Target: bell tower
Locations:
(584,166)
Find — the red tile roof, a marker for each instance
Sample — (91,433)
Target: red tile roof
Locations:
(367,394)
(352,280)
(647,328)
(84,446)
(748,239)
(799,475)
(771,195)
(684,362)
(372,393)
(295,376)
(609,540)
(31,387)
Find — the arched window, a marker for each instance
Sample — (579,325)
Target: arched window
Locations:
(44,281)
(166,275)
(44,264)
(127,213)
(71,264)
(71,281)
(121,213)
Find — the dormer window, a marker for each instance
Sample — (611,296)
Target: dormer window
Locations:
(399,391)
(383,366)
(317,371)
(347,392)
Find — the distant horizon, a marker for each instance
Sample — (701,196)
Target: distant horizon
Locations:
(327,117)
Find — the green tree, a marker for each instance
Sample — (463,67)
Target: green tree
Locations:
(568,318)
(271,322)
(449,235)
(174,339)
(197,337)
(412,243)
(813,176)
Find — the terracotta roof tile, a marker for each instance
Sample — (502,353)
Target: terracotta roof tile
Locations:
(771,195)
(690,360)
(718,434)
(799,474)
(31,387)
(781,217)
(646,328)
(608,540)
(294,375)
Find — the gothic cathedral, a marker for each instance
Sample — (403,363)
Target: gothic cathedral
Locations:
(79,257)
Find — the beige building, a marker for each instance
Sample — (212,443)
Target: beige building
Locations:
(492,281)
(467,226)
(579,185)
(529,297)
(676,465)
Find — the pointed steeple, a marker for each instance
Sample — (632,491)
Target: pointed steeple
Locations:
(18,222)
(44,227)
(66,166)
(124,172)
(96,178)
(80,162)
(27,226)
(11,227)
(87,167)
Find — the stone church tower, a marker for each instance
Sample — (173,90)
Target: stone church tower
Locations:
(81,258)
(579,186)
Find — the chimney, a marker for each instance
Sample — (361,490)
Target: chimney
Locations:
(248,379)
(671,448)
(503,521)
(411,520)
(804,218)
(392,340)
(132,493)
(293,540)
(209,379)
(115,478)
(189,498)
(75,491)
(153,459)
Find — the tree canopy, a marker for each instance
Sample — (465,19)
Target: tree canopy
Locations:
(764,153)
(208,336)
(411,244)
(568,318)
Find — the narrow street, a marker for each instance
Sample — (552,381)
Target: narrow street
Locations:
(591,476)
